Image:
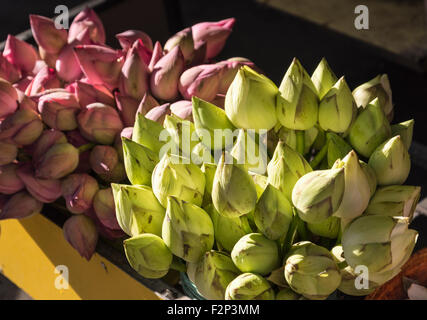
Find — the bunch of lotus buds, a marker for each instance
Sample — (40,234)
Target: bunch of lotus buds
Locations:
(67,112)
(289,192)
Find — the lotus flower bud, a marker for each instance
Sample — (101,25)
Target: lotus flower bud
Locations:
(261,183)
(139,162)
(250,94)
(391,162)
(8,153)
(379,242)
(208,118)
(20,54)
(47,139)
(134,74)
(59,160)
(155,57)
(103,159)
(287,136)
(201,81)
(287,294)
(20,205)
(87,21)
(173,177)
(118,174)
(99,123)
(165,75)
(337,109)
(230,68)
(273,213)
(183,39)
(182,109)
(370,129)
(394,201)
(44,190)
(22,127)
(148,255)
(338,148)
(379,87)
(10,183)
(297,104)
(328,228)
(215,35)
(147,103)
(147,133)
(47,35)
(8,99)
(137,209)
(199,57)
(87,94)
(159,113)
(127,107)
(128,38)
(181,133)
(118,145)
(233,192)
(249,286)
(213,274)
(255,253)
(370,175)
(67,65)
(44,80)
(310,270)
(100,64)
(187,230)
(103,205)
(78,191)
(323,78)
(81,234)
(8,71)
(404,130)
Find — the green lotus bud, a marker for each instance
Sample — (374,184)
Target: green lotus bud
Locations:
(370,174)
(200,154)
(208,119)
(249,95)
(209,170)
(391,162)
(320,140)
(173,177)
(181,132)
(249,286)
(255,253)
(248,151)
(337,148)
(323,78)
(337,108)
(147,133)
(369,130)
(297,106)
(187,230)
(228,230)
(260,183)
(148,255)
(328,228)
(310,137)
(310,270)
(213,274)
(405,131)
(318,194)
(191,271)
(273,213)
(285,168)
(137,209)
(394,201)
(233,191)
(288,136)
(287,294)
(379,242)
(379,87)
(139,162)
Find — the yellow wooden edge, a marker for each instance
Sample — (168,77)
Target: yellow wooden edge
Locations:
(31,249)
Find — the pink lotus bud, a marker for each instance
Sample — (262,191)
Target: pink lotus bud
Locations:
(47,139)
(127,107)
(25,102)
(156,55)
(103,205)
(183,109)
(8,152)
(117,175)
(44,190)
(19,206)
(99,123)
(165,77)
(183,39)
(40,64)
(59,160)
(22,127)
(10,183)
(100,64)
(103,159)
(104,231)
(49,59)
(201,81)
(219,101)
(159,113)
(134,75)
(128,38)
(214,33)
(59,109)
(78,191)
(200,48)
(8,98)
(8,71)
(127,133)
(21,54)
(87,21)
(67,66)
(23,84)
(81,234)
(45,79)
(231,66)
(76,139)
(87,94)
(47,35)
(147,103)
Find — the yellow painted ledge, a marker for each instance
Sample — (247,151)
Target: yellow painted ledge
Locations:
(30,250)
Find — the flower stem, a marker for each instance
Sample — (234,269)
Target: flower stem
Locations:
(319,156)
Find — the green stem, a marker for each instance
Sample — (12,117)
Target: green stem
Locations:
(300,141)
(319,156)
(86,147)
